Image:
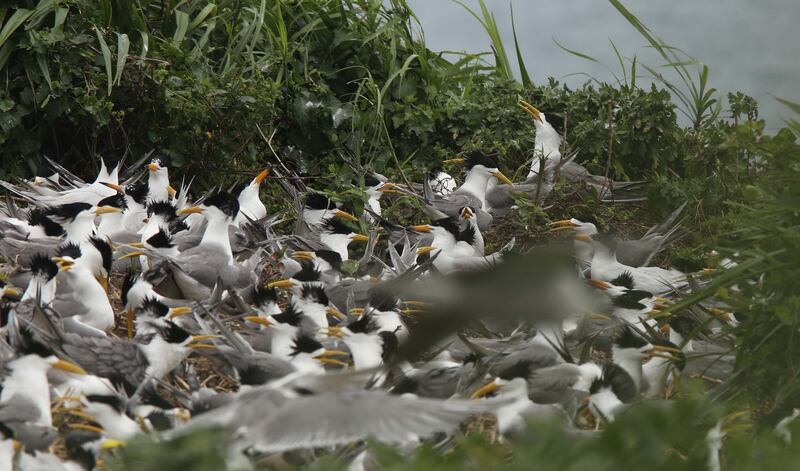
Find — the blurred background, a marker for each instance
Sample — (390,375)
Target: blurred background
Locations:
(749,46)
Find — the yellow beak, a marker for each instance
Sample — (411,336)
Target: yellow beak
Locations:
(103,282)
(304,255)
(345,215)
(178,312)
(422,228)
(499,175)
(153,166)
(172,192)
(88,428)
(113,186)
(261,176)
(563,225)
(190,210)
(459,160)
(258,320)
(106,210)
(599,284)
(69,367)
(531,110)
(360,237)
(424,250)
(135,253)
(110,443)
(484,390)
(285,284)
(333,312)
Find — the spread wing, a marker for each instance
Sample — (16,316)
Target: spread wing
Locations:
(120,361)
(337,419)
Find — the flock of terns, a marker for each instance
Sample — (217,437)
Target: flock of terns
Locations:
(319,344)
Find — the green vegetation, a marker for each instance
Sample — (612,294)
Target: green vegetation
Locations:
(213,84)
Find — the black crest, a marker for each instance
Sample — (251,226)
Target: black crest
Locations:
(308,272)
(137,191)
(363,325)
(70,249)
(173,333)
(390,344)
(78,445)
(336,226)
(127,284)
(371,180)
(625,279)
(42,266)
(155,307)
(449,224)
(111,400)
(38,217)
(237,189)
(117,201)
(223,201)
(479,158)
(290,316)
(629,339)
(69,211)
(105,250)
(164,209)
(315,293)
(161,240)
(333,258)
(262,296)
(305,344)
(631,299)
(319,201)
(44,169)
(381,299)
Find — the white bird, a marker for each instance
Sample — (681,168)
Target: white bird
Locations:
(605,267)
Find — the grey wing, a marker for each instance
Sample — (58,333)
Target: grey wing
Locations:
(552,385)
(637,253)
(330,420)
(669,224)
(116,360)
(451,204)
(499,197)
(355,289)
(18,408)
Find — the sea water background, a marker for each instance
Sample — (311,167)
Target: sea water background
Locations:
(749,45)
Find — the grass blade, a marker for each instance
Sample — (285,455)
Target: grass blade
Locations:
(13,23)
(181,26)
(523,71)
(106,57)
(123,44)
(41,59)
(575,53)
(145,44)
(198,20)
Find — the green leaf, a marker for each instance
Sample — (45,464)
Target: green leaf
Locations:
(145,44)
(794,106)
(41,59)
(5,53)
(123,43)
(523,71)
(106,57)
(575,53)
(181,26)
(198,20)
(13,24)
